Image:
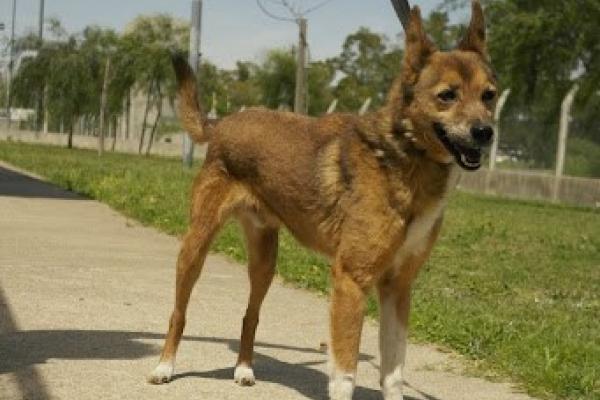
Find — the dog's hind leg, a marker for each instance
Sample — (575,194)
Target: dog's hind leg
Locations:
(214,197)
(261,242)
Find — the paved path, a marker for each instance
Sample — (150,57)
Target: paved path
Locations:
(84,299)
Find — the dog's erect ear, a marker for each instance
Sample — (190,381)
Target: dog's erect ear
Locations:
(418,48)
(475,37)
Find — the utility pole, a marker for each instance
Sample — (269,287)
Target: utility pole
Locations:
(563,133)
(298,15)
(300,95)
(10,62)
(194,59)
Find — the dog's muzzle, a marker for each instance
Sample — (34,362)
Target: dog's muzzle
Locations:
(468,157)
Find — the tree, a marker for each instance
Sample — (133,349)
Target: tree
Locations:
(368,64)
(243,88)
(320,89)
(277,79)
(147,41)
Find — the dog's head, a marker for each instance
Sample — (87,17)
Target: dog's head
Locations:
(449,97)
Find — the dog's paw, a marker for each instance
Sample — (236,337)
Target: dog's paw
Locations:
(391,385)
(341,386)
(161,374)
(244,376)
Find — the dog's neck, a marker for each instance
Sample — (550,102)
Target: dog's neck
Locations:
(390,136)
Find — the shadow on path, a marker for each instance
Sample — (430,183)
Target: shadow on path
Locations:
(22,350)
(15,184)
(27,378)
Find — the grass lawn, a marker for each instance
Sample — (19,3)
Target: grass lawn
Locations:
(514,285)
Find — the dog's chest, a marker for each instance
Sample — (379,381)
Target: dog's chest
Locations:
(418,232)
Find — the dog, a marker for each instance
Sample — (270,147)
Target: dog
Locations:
(368,192)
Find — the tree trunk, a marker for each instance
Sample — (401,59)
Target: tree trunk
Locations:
(114,129)
(128,114)
(103,100)
(146,111)
(70,139)
(46,112)
(159,104)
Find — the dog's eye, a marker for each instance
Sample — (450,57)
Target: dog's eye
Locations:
(488,95)
(447,95)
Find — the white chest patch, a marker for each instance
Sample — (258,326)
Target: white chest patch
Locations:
(417,233)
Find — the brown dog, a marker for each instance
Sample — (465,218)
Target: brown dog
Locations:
(368,192)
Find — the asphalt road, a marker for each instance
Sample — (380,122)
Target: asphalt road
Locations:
(85,295)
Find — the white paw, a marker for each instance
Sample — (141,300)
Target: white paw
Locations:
(392,385)
(341,386)
(243,375)
(162,373)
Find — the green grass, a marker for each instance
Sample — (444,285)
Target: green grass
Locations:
(514,285)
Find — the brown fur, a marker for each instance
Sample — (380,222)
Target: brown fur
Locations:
(349,187)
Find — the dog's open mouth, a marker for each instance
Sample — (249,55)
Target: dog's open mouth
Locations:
(467,157)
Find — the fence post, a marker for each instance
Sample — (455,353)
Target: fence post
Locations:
(563,133)
(494,150)
(332,107)
(365,106)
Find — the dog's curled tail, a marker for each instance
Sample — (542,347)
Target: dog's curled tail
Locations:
(189,108)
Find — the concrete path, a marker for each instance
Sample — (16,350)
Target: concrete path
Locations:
(85,295)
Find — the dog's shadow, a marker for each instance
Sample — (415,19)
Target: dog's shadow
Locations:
(301,377)
(309,382)
(22,349)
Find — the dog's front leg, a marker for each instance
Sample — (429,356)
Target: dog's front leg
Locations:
(394,306)
(347,314)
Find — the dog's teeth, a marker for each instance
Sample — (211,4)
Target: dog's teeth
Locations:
(468,163)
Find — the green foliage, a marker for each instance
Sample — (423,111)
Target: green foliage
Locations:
(277,79)
(2,94)
(368,65)
(512,284)
(444,35)
(320,94)
(70,68)
(583,158)
(146,44)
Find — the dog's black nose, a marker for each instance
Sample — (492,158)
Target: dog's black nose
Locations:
(482,134)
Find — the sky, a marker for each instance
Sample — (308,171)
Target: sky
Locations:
(232,29)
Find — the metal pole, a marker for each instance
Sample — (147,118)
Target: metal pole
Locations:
(300,97)
(194,59)
(10,62)
(563,133)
